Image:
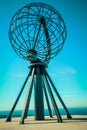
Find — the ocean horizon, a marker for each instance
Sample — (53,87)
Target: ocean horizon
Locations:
(73,111)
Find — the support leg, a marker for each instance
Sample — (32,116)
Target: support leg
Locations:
(10,114)
(39,104)
(58,95)
(53,100)
(27,101)
(47,100)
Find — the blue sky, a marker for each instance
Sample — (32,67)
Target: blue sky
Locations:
(68,70)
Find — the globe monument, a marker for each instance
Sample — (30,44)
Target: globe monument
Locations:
(37,33)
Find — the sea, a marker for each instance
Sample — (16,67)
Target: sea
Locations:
(73,111)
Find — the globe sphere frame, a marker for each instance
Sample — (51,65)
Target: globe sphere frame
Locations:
(37,32)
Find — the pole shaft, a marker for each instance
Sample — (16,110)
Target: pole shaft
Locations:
(39,104)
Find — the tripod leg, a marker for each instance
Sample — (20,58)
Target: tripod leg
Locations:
(27,101)
(58,95)
(53,101)
(16,101)
(47,100)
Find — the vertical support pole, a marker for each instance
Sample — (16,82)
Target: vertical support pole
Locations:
(58,95)
(39,104)
(16,101)
(53,101)
(47,100)
(27,101)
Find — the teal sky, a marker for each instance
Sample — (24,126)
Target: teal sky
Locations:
(68,70)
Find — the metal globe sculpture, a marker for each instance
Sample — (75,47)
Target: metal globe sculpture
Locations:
(37,31)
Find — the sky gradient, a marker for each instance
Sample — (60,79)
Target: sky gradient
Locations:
(68,70)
